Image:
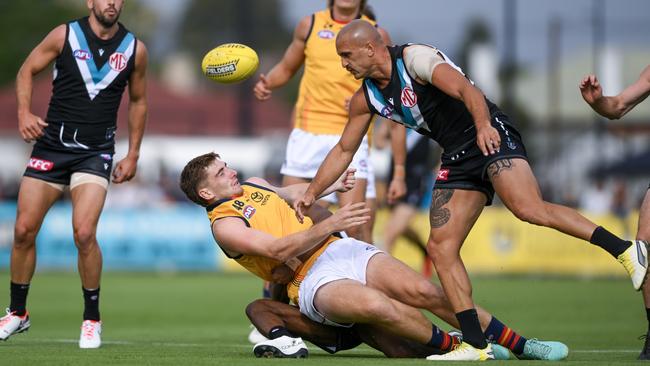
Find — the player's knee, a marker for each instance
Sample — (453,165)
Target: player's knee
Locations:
(84,237)
(24,234)
(439,251)
(257,307)
(425,292)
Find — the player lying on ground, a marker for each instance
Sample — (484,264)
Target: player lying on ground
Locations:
(337,280)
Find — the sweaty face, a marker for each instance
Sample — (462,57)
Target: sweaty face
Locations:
(220,182)
(107,12)
(353,58)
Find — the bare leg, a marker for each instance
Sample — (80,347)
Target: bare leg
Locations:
(87,204)
(34,200)
(348,301)
(398,221)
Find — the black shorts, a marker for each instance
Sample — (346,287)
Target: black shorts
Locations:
(466,166)
(57,166)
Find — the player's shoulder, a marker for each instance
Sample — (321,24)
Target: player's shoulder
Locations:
(259,183)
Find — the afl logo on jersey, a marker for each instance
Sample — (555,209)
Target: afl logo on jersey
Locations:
(248,211)
(82,55)
(386,112)
(117,61)
(408,97)
(326,34)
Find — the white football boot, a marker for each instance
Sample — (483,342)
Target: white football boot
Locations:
(255,337)
(281,347)
(11,324)
(91,334)
(635,261)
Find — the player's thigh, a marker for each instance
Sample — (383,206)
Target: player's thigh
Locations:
(514,182)
(644,218)
(452,215)
(356,194)
(349,301)
(87,203)
(35,197)
(400,282)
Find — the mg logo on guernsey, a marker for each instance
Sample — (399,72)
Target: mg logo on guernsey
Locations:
(408,97)
(117,61)
(443,174)
(40,164)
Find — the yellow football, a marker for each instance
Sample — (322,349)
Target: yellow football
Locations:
(230,63)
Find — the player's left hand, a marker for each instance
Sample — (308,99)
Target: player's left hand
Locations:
(125,170)
(396,190)
(488,139)
(347,181)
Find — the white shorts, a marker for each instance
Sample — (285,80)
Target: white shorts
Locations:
(344,259)
(306,151)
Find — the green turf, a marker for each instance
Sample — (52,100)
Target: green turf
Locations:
(197,319)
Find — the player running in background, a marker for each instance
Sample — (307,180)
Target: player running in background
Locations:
(615,107)
(336,280)
(321,110)
(96,58)
(418,86)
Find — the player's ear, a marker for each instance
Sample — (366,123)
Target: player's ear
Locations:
(370,49)
(206,194)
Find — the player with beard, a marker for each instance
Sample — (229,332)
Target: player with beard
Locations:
(95,59)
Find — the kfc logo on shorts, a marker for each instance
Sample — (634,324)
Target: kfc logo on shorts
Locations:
(40,164)
(117,61)
(443,174)
(248,211)
(408,97)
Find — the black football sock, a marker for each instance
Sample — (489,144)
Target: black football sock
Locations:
(471,328)
(18,293)
(279,331)
(608,241)
(91,304)
(647,314)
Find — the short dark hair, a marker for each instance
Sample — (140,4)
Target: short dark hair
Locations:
(194,174)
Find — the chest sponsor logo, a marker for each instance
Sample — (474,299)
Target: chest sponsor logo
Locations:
(82,54)
(443,174)
(40,164)
(248,211)
(257,196)
(117,61)
(326,34)
(408,97)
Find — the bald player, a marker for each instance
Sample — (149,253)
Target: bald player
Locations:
(419,87)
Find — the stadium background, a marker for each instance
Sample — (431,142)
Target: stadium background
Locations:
(527,56)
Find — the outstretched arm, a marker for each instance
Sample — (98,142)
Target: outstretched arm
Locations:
(29,125)
(339,158)
(284,70)
(615,107)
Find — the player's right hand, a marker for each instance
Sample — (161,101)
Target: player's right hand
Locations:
(302,205)
(261,89)
(591,89)
(30,126)
(348,216)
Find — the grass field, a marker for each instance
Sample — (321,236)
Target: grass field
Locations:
(198,319)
